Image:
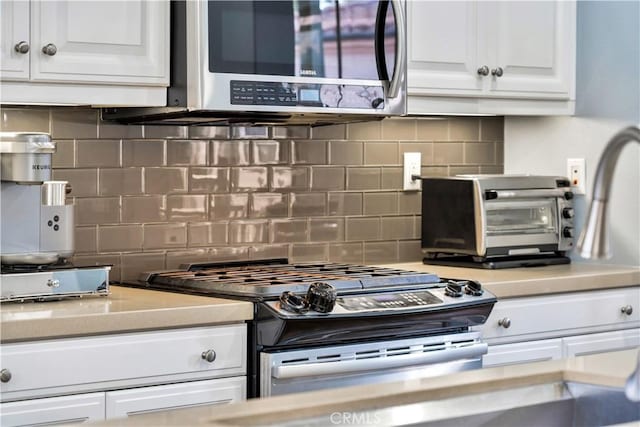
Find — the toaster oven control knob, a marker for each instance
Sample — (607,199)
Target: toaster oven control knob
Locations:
(321,297)
(567,232)
(568,195)
(473,288)
(453,289)
(209,356)
(567,213)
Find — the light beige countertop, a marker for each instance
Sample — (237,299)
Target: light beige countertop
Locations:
(124,310)
(530,281)
(606,369)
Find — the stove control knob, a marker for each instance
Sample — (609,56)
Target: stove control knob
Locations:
(293,303)
(321,297)
(473,288)
(209,356)
(567,232)
(567,213)
(453,289)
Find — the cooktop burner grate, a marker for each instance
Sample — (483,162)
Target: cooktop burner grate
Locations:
(263,280)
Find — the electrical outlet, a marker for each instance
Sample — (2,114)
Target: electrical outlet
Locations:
(412,166)
(576,172)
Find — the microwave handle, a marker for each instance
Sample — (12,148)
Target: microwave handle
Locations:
(352,366)
(401,45)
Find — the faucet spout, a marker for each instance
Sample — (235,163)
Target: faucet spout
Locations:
(593,242)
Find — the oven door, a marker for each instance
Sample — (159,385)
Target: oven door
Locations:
(357,364)
(521,225)
(298,55)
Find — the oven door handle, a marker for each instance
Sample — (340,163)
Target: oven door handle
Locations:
(523,194)
(380,363)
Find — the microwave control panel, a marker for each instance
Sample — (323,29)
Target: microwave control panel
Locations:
(285,94)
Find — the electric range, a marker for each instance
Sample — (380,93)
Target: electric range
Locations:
(320,324)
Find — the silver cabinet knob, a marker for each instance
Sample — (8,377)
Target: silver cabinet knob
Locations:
(50,49)
(498,72)
(53,283)
(483,71)
(5,375)
(22,47)
(627,309)
(209,355)
(505,322)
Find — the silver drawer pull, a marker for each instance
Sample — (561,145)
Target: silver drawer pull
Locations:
(22,47)
(209,355)
(505,322)
(53,283)
(49,49)
(627,309)
(5,375)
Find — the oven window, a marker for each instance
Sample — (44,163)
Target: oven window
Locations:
(312,38)
(521,217)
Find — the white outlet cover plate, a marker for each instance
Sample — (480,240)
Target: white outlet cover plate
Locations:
(576,172)
(412,166)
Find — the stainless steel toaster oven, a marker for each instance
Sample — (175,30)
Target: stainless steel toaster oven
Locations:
(497,215)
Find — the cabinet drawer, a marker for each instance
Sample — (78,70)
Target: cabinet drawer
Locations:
(522,352)
(125,403)
(555,313)
(53,410)
(94,363)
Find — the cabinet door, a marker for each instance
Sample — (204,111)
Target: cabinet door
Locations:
(126,403)
(14,28)
(598,343)
(443,48)
(54,410)
(101,41)
(532,351)
(534,44)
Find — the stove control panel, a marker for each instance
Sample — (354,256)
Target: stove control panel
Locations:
(388,300)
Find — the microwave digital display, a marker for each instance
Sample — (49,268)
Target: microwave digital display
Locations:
(309,95)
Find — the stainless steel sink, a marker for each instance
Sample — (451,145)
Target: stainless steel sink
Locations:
(559,404)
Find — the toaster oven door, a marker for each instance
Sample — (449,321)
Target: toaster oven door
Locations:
(520,226)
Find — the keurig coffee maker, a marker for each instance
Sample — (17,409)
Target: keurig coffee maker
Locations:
(37,226)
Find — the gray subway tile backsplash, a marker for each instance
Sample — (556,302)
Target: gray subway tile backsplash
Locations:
(154,197)
(98,153)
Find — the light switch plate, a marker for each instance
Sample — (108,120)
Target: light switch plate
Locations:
(412,166)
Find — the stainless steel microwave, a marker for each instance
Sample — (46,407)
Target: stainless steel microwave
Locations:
(489,216)
(271,62)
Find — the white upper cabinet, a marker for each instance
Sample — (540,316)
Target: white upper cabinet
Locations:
(85,52)
(100,41)
(14,40)
(501,57)
(438,64)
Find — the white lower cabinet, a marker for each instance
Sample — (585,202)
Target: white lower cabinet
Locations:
(521,330)
(125,403)
(523,352)
(53,410)
(582,345)
(93,378)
